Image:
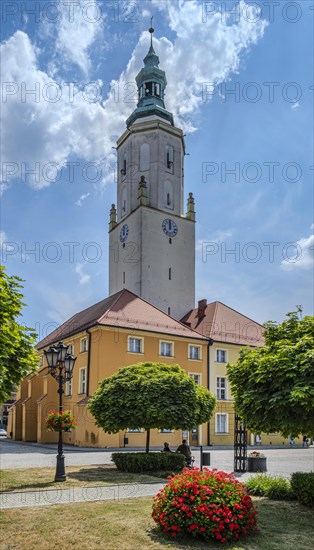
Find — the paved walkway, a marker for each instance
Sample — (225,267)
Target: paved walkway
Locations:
(280,461)
(78,494)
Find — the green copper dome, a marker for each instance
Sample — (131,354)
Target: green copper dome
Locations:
(151,84)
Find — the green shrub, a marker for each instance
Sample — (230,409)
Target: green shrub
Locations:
(302,485)
(208,504)
(275,488)
(148,462)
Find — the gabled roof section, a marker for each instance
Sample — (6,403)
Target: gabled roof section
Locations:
(221,323)
(124,310)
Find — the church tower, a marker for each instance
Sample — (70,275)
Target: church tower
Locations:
(152,241)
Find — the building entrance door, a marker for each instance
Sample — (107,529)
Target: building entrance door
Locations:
(194,439)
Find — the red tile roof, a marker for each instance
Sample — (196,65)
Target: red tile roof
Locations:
(124,310)
(221,323)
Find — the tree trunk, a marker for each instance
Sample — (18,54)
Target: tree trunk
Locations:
(147,440)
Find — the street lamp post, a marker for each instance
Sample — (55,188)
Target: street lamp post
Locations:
(60,366)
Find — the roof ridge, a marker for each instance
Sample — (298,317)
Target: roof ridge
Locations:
(160,311)
(118,296)
(238,312)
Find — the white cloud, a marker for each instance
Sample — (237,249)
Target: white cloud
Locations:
(300,255)
(83,277)
(41,131)
(215,53)
(38,133)
(82,198)
(295,105)
(77,29)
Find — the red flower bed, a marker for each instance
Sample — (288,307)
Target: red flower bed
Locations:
(209,504)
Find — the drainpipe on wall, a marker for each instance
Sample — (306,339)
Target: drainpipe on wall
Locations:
(210,343)
(88,361)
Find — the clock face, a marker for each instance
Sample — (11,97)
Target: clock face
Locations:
(124,233)
(170,228)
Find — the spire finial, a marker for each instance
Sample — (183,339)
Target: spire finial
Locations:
(151,30)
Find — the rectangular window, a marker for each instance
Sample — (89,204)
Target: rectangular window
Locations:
(166,349)
(83,345)
(221,387)
(221,355)
(194,352)
(169,160)
(135,345)
(165,431)
(124,277)
(221,423)
(135,430)
(169,310)
(169,273)
(82,386)
(71,349)
(68,387)
(196,377)
(41,361)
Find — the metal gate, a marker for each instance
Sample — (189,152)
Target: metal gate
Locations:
(240,445)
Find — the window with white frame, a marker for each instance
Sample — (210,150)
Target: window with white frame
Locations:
(194,352)
(221,355)
(135,345)
(71,349)
(82,384)
(135,430)
(195,377)
(68,387)
(41,361)
(221,423)
(165,431)
(221,387)
(83,345)
(166,349)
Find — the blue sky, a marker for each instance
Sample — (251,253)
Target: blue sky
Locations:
(239,84)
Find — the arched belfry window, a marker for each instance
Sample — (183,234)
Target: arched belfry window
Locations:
(168,195)
(144,157)
(169,158)
(124,201)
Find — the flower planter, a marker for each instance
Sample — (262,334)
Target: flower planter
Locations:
(257,464)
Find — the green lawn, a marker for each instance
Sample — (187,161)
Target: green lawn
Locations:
(43,478)
(127,525)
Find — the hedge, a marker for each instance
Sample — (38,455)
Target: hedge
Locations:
(148,462)
(302,485)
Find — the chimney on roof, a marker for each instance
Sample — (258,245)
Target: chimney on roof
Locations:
(202,304)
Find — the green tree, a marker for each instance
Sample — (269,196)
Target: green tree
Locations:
(150,395)
(18,357)
(273,386)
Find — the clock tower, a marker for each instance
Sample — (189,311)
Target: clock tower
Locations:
(151,240)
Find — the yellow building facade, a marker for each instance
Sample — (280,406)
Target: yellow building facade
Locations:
(100,351)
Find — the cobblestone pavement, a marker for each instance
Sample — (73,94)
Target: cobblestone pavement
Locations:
(20,455)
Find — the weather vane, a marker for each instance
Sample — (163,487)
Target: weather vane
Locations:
(151,30)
